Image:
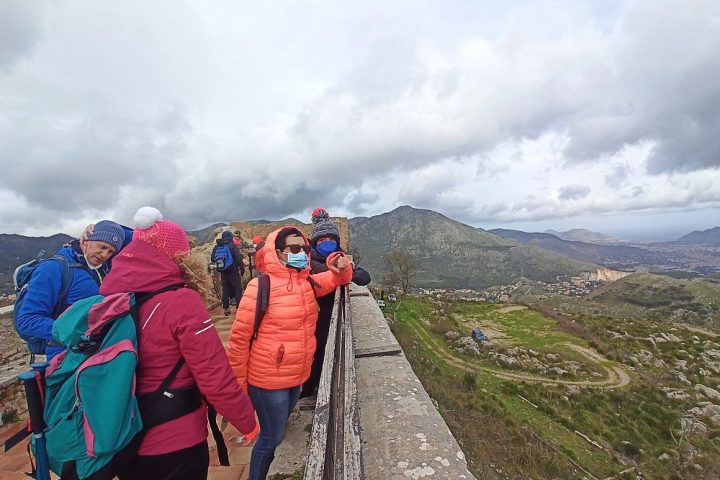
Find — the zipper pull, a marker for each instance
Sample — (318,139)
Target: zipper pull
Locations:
(76,407)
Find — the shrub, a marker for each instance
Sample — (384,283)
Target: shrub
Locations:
(470,380)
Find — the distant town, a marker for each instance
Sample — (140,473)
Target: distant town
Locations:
(570,287)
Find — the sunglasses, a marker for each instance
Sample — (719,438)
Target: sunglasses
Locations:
(297,248)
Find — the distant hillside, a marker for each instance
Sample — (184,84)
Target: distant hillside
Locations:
(205,235)
(451,254)
(704,237)
(285,221)
(583,235)
(18,249)
(604,254)
(653,296)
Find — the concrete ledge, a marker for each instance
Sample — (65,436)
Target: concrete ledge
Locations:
(370,330)
(402,432)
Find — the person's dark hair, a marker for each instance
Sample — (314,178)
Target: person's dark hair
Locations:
(282,236)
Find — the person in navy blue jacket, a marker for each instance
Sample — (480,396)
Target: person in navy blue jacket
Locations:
(88,259)
(324,240)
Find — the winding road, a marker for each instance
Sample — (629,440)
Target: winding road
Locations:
(616,377)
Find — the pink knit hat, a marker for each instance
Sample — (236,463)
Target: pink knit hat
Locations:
(166,236)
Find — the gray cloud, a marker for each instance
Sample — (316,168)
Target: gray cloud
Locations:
(20,30)
(660,86)
(617,177)
(88,163)
(220,118)
(574,192)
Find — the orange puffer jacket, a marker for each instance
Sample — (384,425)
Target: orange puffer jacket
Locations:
(282,354)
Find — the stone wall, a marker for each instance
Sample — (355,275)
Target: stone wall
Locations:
(248,231)
(13,360)
(12,401)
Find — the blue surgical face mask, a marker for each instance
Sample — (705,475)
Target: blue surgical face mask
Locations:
(326,248)
(297,260)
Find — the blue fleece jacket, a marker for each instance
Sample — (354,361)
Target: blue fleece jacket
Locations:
(36,315)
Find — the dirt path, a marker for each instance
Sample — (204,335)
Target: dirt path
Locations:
(616,377)
(512,308)
(702,331)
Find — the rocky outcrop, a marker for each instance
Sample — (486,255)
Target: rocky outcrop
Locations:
(606,275)
(468,346)
(707,392)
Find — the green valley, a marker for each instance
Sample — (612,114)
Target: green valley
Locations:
(553,395)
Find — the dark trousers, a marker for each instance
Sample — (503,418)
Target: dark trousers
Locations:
(322,330)
(231,287)
(186,464)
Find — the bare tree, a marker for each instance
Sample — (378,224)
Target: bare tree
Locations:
(401,269)
(354,252)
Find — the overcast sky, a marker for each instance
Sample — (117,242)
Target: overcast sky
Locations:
(526,115)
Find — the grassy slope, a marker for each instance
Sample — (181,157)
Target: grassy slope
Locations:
(498,428)
(651,296)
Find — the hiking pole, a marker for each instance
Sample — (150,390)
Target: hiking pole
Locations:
(34,383)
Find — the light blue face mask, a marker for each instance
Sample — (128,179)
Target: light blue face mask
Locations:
(297,260)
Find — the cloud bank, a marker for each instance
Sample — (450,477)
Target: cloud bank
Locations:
(489,114)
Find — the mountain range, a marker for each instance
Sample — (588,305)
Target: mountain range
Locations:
(18,249)
(697,256)
(584,251)
(583,235)
(701,237)
(451,254)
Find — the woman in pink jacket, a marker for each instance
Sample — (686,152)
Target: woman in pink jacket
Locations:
(175,324)
(277,363)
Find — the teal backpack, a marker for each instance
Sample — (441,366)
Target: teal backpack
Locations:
(93,418)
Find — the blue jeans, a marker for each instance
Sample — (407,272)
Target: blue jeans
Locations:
(273,409)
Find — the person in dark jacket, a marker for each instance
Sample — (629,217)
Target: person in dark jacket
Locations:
(88,259)
(230,278)
(324,240)
(175,324)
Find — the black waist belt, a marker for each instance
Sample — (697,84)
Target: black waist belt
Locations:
(163,405)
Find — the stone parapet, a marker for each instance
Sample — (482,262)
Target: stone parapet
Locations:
(403,435)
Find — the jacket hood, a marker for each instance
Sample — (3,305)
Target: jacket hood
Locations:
(140,267)
(272,262)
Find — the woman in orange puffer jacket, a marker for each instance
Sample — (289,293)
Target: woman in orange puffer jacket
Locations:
(279,361)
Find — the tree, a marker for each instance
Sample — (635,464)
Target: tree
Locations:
(401,269)
(354,252)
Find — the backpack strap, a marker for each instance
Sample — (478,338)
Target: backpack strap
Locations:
(66,280)
(221,448)
(261,303)
(165,403)
(312,282)
(142,297)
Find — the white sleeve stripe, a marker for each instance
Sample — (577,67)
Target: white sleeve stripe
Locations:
(206,328)
(208,320)
(149,317)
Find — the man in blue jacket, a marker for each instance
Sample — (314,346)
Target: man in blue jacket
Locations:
(231,277)
(88,259)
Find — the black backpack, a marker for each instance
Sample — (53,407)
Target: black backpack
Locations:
(261,303)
